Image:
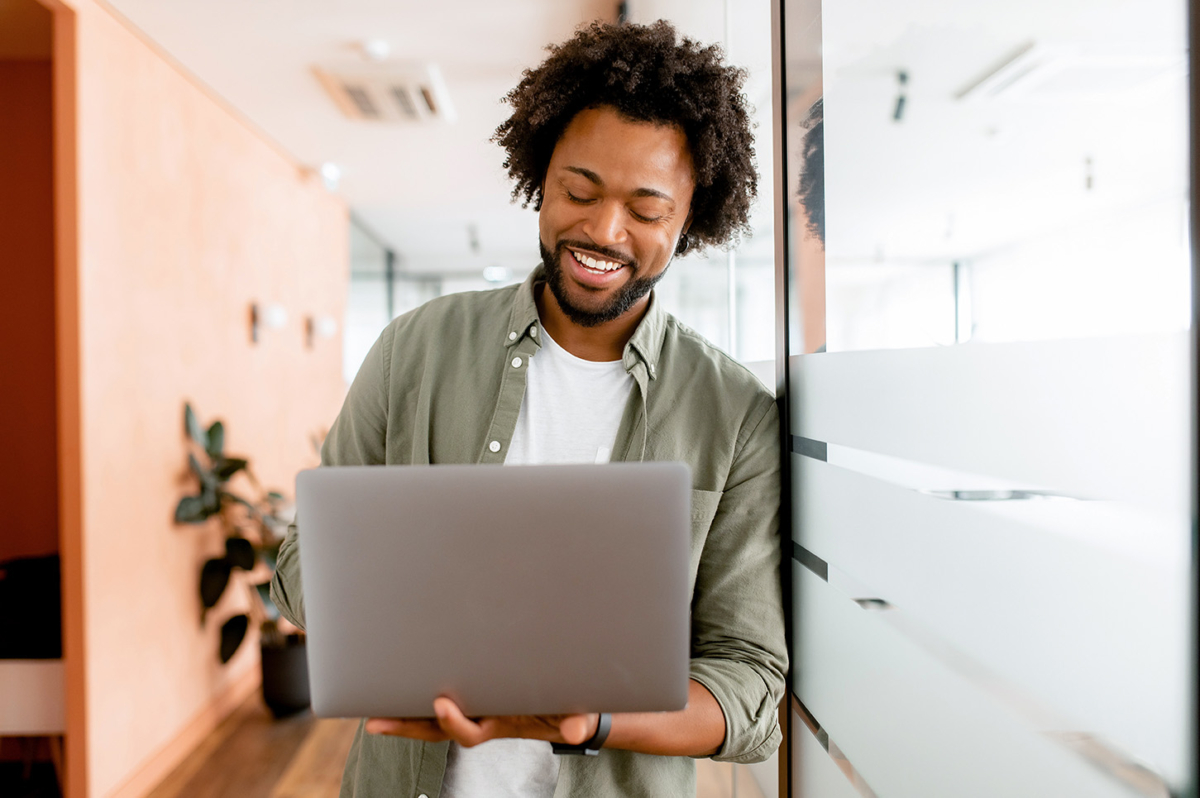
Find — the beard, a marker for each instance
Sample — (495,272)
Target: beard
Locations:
(625,298)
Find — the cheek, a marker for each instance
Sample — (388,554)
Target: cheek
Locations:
(546,226)
(556,219)
(662,244)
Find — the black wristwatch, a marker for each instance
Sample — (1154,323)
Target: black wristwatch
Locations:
(587,747)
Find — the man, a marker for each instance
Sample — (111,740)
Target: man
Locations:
(633,147)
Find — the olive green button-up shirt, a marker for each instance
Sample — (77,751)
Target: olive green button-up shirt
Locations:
(444,384)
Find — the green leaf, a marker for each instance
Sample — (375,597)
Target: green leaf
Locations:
(216,440)
(191,425)
(191,510)
(264,592)
(233,632)
(239,552)
(211,499)
(214,577)
(207,479)
(226,467)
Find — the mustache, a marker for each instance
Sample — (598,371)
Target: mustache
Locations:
(606,252)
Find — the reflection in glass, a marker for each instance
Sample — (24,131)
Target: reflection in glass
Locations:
(805,171)
(1038,150)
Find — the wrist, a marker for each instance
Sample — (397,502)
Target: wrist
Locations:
(593,744)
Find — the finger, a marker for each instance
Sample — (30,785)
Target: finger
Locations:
(414,728)
(456,725)
(576,729)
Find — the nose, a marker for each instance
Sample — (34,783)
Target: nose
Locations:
(606,224)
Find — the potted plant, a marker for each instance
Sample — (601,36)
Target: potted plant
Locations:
(253,528)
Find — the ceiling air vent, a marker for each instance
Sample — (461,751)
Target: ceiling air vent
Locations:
(388,92)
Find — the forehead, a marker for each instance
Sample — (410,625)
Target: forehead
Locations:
(625,152)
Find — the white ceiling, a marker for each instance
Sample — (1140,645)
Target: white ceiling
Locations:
(420,188)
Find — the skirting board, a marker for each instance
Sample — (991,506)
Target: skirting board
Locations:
(160,764)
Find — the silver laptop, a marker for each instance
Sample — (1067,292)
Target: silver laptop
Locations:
(511,589)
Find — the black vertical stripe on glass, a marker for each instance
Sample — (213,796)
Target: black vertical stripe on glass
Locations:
(810,561)
(817,450)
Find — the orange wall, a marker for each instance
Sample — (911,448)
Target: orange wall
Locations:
(185,216)
(28,467)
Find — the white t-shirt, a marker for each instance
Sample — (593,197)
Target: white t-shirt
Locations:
(570,414)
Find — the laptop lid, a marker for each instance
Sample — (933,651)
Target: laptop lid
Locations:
(511,589)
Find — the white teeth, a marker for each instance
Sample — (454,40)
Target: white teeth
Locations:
(597,265)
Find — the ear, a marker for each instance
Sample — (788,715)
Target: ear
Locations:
(684,243)
(540,196)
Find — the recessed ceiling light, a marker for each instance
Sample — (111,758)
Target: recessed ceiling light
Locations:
(375,49)
(331,173)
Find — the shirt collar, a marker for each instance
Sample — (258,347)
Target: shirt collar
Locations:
(645,345)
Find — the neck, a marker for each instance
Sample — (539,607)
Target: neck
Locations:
(602,343)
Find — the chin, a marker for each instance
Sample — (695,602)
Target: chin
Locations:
(587,306)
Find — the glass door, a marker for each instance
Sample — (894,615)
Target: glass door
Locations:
(988,271)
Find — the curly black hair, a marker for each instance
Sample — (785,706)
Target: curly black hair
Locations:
(647,76)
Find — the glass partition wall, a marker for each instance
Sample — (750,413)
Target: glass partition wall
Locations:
(987,266)
(379,291)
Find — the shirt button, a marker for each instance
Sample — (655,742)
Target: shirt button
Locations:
(516,362)
(512,336)
(494,446)
(422,795)
(533,331)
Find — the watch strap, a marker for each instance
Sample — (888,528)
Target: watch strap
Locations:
(589,747)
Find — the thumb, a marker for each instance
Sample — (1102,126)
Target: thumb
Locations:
(575,729)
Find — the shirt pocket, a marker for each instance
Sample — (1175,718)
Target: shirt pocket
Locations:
(704,510)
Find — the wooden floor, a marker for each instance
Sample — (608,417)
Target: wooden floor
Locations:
(252,755)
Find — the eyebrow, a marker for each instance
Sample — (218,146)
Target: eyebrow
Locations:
(641,192)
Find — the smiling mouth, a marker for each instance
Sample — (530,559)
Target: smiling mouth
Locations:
(597,265)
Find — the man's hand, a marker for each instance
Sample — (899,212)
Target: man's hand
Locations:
(698,730)
(452,724)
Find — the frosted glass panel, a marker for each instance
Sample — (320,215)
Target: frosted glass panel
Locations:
(817,773)
(912,727)
(1104,418)
(1043,604)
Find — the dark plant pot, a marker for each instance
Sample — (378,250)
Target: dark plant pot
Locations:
(285,676)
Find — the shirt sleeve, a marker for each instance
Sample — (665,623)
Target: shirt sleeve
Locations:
(739,652)
(358,437)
